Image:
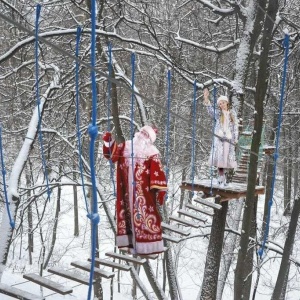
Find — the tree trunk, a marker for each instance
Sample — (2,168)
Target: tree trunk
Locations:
(214,251)
(249,259)
(55,223)
(287,250)
(230,244)
(261,88)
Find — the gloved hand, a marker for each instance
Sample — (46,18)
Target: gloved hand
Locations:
(106,137)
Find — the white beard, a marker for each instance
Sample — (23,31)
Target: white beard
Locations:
(142,148)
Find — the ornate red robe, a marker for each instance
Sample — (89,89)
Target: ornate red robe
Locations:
(138,219)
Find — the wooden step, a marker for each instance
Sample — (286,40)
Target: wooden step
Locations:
(112,264)
(49,284)
(185,222)
(70,275)
(174,229)
(172,239)
(208,202)
(126,258)
(87,267)
(198,209)
(191,215)
(17,293)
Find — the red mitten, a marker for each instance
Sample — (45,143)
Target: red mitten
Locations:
(161,197)
(106,137)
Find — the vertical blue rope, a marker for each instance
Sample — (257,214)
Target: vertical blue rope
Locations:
(193,135)
(108,111)
(38,10)
(213,139)
(93,132)
(168,126)
(11,222)
(286,54)
(78,35)
(132,118)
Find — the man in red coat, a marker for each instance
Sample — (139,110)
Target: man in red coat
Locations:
(141,184)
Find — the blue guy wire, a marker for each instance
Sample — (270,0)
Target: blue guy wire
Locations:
(213,138)
(267,228)
(78,36)
(93,132)
(11,222)
(108,111)
(132,125)
(193,135)
(38,10)
(168,126)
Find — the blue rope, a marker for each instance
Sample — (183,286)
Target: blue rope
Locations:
(266,235)
(168,126)
(78,35)
(213,139)
(38,10)
(131,127)
(193,135)
(11,222)
(108,112)
(93,132)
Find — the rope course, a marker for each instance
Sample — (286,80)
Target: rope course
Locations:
(93,132)
(213,138)
(38,102)
(168,127)
(132,130)
(193,135)
(109,50)
(11,221)
(78,36)
(267,228)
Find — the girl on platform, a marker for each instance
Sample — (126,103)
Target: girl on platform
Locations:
(222,153)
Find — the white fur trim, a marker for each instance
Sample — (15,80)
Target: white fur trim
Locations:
(224,98)
(150,131)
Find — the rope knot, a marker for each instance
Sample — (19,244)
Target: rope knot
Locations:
(93,131)
(95,218)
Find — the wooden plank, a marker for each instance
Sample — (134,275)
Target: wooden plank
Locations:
(208,202)
(175,229)
(126,258)
(18,293)
(112,264)
(49,284)
(87,267)
(198,209)
(172,239)
(191,215)
(70,275)
(185,222)
(233,191)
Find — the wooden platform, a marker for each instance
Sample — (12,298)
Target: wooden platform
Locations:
(233,191)
(17,293)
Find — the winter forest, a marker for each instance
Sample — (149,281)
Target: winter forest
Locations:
(153,59)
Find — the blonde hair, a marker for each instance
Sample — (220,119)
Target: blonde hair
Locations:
(231,115)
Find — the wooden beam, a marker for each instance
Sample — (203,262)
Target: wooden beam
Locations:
(112,264)
(18,293)
(49,284)
(126,258)
(174,229)
(185,222)
(191,215)
(198,209)
(70,275)
(87,267)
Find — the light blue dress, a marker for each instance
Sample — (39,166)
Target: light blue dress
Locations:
(222,154)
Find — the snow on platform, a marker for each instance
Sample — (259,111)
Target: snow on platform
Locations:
(231,191)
